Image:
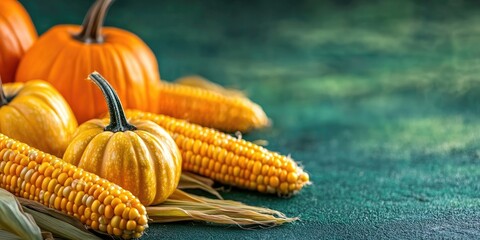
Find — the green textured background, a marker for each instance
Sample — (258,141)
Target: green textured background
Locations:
(377,99)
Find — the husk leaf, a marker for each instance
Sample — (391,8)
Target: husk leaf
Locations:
(14,220)
(182,206)
(4,234)
(59,227)
(194,181)
(56,222)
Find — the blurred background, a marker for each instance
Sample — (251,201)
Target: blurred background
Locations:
(377,99)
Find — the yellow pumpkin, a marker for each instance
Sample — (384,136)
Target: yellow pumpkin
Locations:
(139,155)
(36,114)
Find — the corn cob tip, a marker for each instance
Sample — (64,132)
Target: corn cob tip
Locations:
(260,118)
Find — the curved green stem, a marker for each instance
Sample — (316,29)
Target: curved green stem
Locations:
(118,121)
(93,22)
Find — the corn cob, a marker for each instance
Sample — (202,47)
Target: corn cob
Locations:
(200,82)
(230,160)
(209,108)
(98,203)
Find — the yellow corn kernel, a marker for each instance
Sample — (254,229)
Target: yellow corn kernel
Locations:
(115,222)
(119,209)
(95,205)
(117,231)
(108,199)
(123,224)
(131,225)
(133,214)
(101,209)
(125,213)
(115,202)
(231,161)
(59,185)
(109,211)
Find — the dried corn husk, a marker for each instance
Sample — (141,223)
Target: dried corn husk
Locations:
(4,234)
(56,222)
(14,220)
(181,206)
(194,181)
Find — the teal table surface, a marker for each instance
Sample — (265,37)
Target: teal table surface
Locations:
(378,100)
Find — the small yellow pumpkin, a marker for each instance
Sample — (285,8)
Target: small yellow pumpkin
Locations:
(36,114)
(139,155)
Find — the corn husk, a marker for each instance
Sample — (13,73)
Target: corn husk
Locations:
(194,181)
(10,236)
(182,206)
(200,82)
(56,222)
(4,234)
(14,220)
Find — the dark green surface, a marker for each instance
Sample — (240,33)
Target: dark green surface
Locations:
(377,99)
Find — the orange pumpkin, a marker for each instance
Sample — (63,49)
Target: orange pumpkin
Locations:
(17,34)
(67,53)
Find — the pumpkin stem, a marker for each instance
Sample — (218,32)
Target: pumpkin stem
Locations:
(93,22)
(3,99)
(118,121)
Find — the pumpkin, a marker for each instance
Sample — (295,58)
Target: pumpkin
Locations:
(36,114)
(139,155)
(17,34)
(65,53)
